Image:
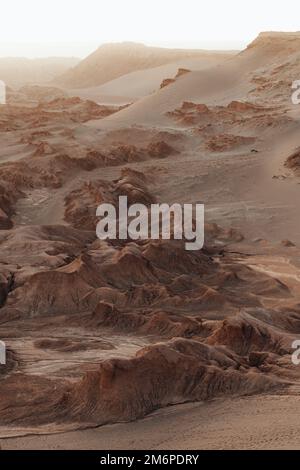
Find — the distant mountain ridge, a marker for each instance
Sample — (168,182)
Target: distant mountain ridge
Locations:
(20,71)
(111,61)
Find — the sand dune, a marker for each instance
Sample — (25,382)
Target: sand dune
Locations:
(133,86)
(232,79)
(111,61)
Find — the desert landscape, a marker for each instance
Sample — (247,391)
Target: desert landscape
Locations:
(121,344)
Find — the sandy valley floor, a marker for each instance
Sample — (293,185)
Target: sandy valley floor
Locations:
(264,422)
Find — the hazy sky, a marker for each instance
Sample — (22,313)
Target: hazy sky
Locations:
(36,28)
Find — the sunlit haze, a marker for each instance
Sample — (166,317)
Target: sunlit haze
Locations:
(34,28)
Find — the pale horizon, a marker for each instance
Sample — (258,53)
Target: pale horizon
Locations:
(82,50)
(34,29)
